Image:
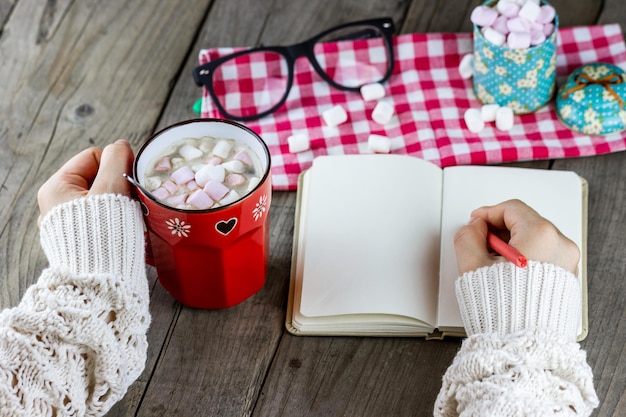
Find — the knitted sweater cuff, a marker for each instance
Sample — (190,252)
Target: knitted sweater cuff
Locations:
(95,234)
(503,299)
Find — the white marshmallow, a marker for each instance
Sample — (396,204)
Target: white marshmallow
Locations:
(530,11)
(372,91)
(231,197)
(517,24)
(222,149)
(190,152)
(494,36)
(299,142)
(253,182)
(488,112)
(335,116)
(152,183)
(382,113)
(234,165)
(466,66)
(473,120)
(508,8)
(378,143)
(210,172)
(504,118)
(518,40)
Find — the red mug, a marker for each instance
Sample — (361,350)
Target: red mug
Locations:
(217,257)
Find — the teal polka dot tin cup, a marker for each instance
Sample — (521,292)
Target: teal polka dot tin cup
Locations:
(592,101)
(523,79)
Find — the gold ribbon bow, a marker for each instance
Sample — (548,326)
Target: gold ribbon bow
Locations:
(583,80)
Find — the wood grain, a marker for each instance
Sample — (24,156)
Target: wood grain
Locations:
(78,74)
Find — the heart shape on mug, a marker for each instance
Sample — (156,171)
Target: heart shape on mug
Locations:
(226,226)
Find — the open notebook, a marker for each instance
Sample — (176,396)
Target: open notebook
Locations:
(373,244)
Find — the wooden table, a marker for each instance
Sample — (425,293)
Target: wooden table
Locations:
(80,73)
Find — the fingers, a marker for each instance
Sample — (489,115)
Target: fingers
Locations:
(116,159)
(470,244)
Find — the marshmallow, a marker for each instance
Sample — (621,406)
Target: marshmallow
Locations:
(192,185)
(518,24)
(483,16)
(210,172)
(518,40)
(152,182)
(298,143)
(216,190)
(508,8)
(378,143)
(466,66)
(231,197)
(200,200)
(170,187)
(214,160)
(546,15)
(183,175)
(177,200)
(537,37)
(504,118)
(382,113)
(244,157)
(160,193)
(190,152)
(233,180)
(494,36)
(222,149)
(501,25)
(530,11)
(164,164)
(252,183)
(334,116)
(473,120)
(234,166)
(372,91)
(488,112)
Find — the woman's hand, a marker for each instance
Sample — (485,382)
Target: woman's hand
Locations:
(532,235)
(92,171)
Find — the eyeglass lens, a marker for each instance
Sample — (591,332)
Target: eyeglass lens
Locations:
(253,83)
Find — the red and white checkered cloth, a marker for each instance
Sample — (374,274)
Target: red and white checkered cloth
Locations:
(430,98)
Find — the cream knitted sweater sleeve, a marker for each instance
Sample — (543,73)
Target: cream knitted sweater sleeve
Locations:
(77,339)
(520,357)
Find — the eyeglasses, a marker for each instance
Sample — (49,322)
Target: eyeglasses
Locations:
(250,84)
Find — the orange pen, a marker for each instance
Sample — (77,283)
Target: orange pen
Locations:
(509,252)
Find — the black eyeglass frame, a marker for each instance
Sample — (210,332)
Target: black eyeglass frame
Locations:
(203,74)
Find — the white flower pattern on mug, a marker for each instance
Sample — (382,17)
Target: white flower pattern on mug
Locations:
(260,207)
(178,227)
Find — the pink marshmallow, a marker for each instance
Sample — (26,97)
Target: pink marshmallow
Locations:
(164,164)
(244,157)
(548,28)
(183,175)
(483,16)
(215,160)
(546,14)
(192,185)
(216,190)
(233,180)
(518,40)
(500,25)
(177,200)
(170,187)
(200,200)
(537,37)
(160,193)
(517,24)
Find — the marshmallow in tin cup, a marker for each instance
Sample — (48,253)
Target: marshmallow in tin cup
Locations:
(514,61)
(207,223)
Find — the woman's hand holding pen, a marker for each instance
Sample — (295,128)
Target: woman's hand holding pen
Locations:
(528,232)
